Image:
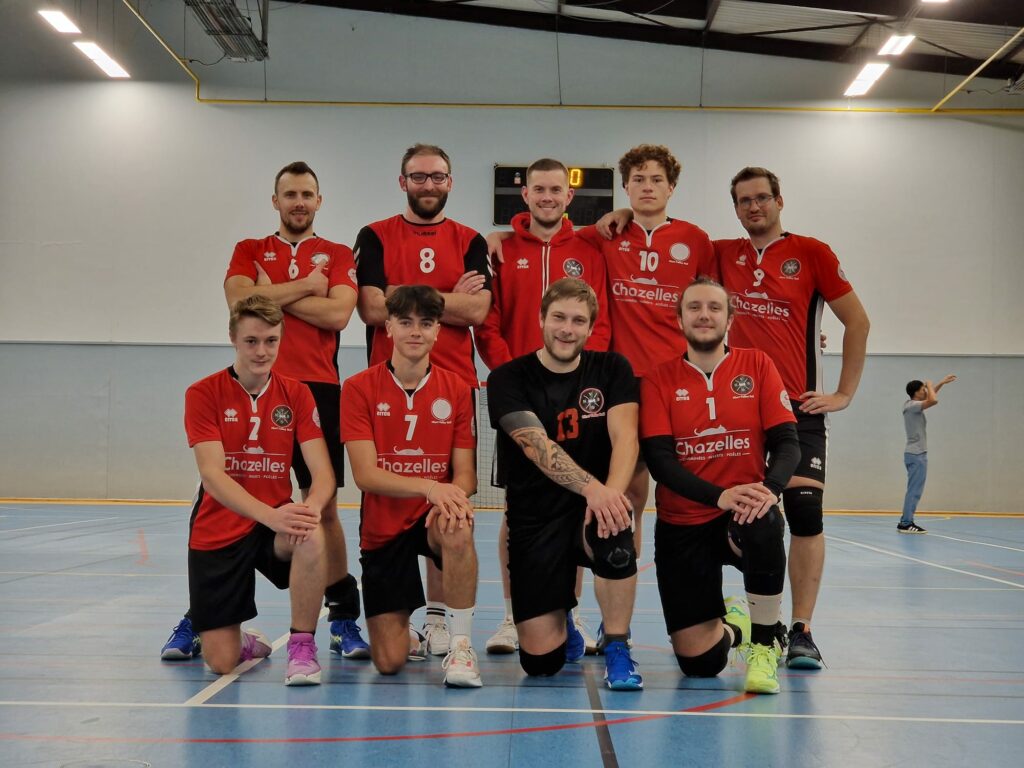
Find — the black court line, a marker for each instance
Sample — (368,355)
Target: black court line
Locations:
(604,736)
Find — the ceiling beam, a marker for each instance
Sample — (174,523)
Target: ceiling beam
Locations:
(994,12)
(663,35)
(695,10)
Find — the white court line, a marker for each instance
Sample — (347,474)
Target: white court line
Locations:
(971,541)
(224,681)
(925,562)
(518,711)
(76,574)
(54,525)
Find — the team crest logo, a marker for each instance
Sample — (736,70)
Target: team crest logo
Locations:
(352,275)
(572,268)
(790,268)
(282,415)
(270,256)
(319,258)
(230,415)
(842,275)
(441,409)
(743,385)
(679,253)
(316,417)
(784,399)
(591,400)
(742,259)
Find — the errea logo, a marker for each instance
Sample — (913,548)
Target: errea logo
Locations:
(230,415)
(682,394)
(383,409)
(815,462)
(624,245)
(523,264)
(270,256)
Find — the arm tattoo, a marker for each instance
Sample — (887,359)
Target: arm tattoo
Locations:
(550,459)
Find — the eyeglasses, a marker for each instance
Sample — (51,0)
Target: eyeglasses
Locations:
(761,200)
(421,178)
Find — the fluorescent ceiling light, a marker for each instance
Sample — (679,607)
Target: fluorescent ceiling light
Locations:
(866,78)
(102,60)
(934,1)
(896,45)
(60,22)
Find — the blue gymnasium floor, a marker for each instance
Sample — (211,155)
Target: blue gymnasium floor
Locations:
(922,635)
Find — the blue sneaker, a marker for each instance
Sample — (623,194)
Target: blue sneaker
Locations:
(620,671)
(183,643)
(602,642)
(576,646)
(346,640)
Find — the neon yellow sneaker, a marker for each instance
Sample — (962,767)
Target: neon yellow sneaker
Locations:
(762,669)
(737,616)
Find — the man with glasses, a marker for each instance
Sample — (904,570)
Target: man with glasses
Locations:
(779,283)
(423,247)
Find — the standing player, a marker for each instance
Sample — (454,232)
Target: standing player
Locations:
(409,430)
(707,420)
(423,247)
(242,423)
(567,421)
(779,283)
(542,249)
(313,279)
(923,395)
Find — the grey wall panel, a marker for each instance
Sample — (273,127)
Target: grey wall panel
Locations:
(105,421)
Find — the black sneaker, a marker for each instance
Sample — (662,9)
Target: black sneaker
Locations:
(803,653)
(910,528)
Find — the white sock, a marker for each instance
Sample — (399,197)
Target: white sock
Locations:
(508,607)
(435,612)
(460,623)
(764,609)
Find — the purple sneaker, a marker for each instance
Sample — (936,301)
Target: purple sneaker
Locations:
(254,645)
(303,668)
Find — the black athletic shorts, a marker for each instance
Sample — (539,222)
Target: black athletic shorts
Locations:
(542,557)
(812,430)
(391,574)
(222,582)
(328,406)
(689,560)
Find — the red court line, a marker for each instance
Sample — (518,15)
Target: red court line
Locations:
(345,739)
(646,567)
(994,568)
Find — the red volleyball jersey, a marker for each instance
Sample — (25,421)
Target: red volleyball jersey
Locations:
(258,434)
(307,353)
(415,436)
(647,272)
(512,328)
(717,422)
(398,252)
(779,296)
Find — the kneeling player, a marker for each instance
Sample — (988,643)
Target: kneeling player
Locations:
(567,420)
(707,420)
(409,430)
(241,424)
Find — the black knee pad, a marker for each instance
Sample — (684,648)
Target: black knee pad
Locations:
(543,664)
(803,510)
(342,599)
(614,557)
(709,663)
(763,548)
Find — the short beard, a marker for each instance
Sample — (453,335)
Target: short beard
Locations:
(700,345)
(424,213)
(288,229)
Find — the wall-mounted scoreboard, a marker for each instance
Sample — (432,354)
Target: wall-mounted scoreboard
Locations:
(593,199)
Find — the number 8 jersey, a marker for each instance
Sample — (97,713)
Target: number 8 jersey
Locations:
(396,251)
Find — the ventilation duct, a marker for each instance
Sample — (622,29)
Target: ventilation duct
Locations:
(232,32)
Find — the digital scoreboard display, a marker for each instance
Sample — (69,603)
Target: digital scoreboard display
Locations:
(594,196)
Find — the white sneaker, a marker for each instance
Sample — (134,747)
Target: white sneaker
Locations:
(581,626)
(506,639)
(438,638)
(417,645)
(462,670)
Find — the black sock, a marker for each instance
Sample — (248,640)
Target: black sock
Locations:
(762,634)
(616,639)
(342,599)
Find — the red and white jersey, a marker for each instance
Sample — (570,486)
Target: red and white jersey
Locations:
(307,353)
(779,296)
(258,434)
(396,251)
(512,327)
(717,422)
(414,434)
(647,272)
